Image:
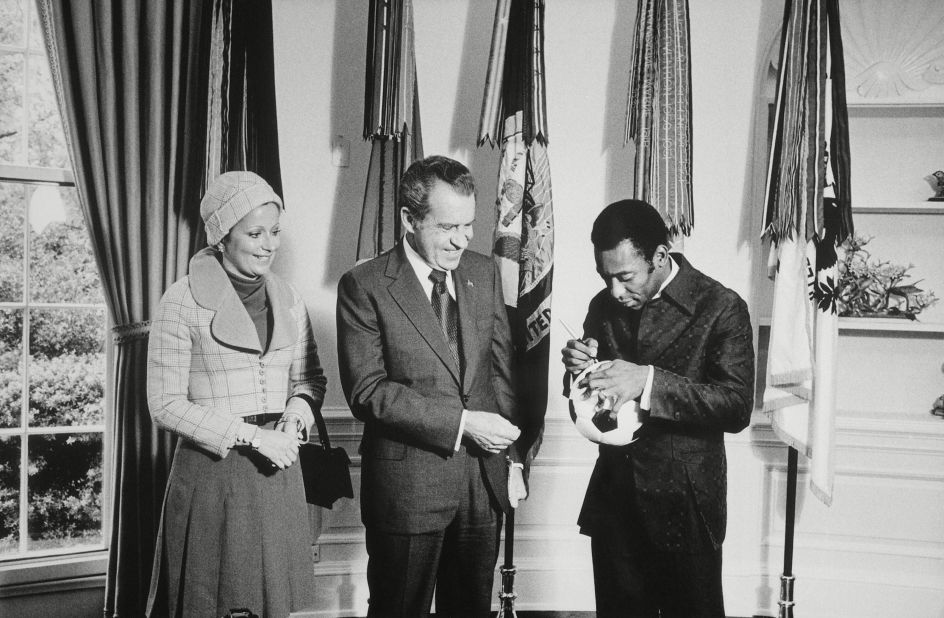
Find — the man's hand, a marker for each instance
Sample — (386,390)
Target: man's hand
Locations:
(492,433)
(618,380)
(579,354)
(517,490)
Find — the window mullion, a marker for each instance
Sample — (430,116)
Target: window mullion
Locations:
(24,399)
(24,497)
(24,143)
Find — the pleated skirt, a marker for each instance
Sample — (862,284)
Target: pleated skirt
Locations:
(234,534)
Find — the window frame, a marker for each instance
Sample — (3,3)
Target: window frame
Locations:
(69,567)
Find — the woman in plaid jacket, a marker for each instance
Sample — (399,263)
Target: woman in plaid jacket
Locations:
(233,370)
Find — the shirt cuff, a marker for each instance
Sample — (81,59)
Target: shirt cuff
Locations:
(461,431)
(645,402)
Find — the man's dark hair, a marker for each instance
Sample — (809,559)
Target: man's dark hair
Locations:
(632,220)
(419,178)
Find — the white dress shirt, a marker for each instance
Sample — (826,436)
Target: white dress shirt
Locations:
(423,270)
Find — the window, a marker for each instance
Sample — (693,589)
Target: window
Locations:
(52,317)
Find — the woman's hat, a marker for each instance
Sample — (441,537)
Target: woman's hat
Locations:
(229,198)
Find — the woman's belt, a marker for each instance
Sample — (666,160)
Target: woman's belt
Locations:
(262,419)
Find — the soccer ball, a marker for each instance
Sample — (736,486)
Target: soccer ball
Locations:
(591,414)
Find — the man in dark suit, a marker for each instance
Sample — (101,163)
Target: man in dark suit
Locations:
(425,357)
(681,345)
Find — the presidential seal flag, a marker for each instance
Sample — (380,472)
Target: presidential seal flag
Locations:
(513,114)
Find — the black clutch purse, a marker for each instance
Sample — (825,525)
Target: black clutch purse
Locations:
(326,470)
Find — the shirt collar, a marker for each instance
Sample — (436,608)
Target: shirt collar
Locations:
(422,270)
(673,270)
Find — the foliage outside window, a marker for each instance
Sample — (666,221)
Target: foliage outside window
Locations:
(52,317)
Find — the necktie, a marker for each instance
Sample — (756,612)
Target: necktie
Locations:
(448,313)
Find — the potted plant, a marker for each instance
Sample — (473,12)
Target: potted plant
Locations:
(876,289)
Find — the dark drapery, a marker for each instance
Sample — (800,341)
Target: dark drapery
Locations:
(241,115)
(131,83)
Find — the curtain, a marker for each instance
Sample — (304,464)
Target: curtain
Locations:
(514,114)
(391,121)
(242,124)
(130,78)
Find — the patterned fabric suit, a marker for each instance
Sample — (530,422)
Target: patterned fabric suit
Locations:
(698,338)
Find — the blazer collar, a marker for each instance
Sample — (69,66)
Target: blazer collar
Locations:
(231,324)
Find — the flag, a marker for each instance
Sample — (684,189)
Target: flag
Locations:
(807,215)
(659,111)
(391,121)
(513,114)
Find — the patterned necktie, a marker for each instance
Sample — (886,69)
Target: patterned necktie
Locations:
(446,310)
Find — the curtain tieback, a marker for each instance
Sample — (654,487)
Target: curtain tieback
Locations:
(130,332)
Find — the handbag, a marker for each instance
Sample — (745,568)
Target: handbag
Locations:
(326,470)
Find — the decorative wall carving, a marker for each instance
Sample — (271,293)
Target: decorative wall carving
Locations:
(894,51)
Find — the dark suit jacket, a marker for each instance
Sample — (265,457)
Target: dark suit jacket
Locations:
(698,338)
(401,380)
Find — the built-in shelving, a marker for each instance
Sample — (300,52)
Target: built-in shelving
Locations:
(918,208)
(892,325)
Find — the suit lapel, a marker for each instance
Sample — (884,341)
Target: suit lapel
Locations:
(465,298)
(409,295)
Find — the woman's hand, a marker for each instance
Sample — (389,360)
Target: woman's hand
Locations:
(278,447)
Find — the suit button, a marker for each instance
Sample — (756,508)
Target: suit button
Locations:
(465,399)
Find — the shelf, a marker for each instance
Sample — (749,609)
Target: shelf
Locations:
(858,103)
(899,325)
(891,325)
(913,208)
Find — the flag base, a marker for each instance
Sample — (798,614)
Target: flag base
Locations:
(507,596)
(786,596)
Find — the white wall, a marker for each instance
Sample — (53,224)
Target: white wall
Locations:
(320,49)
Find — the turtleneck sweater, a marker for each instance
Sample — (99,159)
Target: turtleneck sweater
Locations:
(252,292)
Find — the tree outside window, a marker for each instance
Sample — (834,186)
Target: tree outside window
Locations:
(52,317)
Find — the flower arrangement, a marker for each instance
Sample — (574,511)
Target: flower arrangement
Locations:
(873,288)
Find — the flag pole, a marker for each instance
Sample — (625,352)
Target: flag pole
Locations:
(506,596)
(787,578)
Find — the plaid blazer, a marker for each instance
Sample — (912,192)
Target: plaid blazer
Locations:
(205,366)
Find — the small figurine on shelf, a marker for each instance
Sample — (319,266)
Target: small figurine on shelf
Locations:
(938,408)
(938,177)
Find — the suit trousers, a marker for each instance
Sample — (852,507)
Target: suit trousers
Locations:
(458,561)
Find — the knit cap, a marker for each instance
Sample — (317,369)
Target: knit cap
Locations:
(229,198)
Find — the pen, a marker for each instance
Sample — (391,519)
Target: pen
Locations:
(573,335)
